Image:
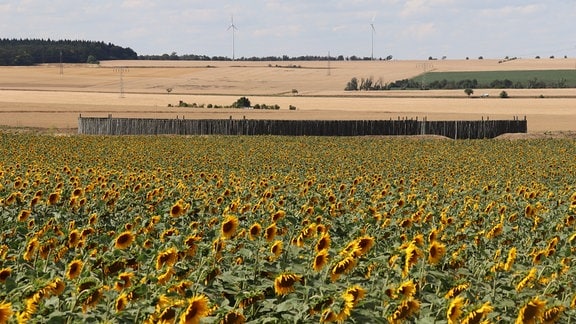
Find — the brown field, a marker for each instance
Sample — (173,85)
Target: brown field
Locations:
(41,97)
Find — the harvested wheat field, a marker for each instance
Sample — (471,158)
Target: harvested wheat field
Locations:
(51,97)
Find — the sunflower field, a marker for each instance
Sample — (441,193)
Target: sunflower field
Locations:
(166,229)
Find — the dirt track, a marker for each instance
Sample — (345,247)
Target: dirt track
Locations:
(41,97)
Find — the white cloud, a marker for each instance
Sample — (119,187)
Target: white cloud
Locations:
(453,28)
(507,11)
(420,31)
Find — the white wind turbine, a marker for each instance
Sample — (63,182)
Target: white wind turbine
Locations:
(233,28)
(373,30)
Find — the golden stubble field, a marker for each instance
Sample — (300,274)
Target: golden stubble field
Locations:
(49,97)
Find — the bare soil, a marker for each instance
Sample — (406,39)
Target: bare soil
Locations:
(51,98)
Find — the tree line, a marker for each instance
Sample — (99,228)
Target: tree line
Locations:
(193,57)
(37,51)
(415,84)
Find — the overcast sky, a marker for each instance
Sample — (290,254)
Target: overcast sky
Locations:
(405,29)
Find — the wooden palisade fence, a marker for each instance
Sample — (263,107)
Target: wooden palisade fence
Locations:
(453,129)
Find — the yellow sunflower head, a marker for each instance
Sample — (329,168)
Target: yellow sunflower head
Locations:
(167,257)
(436,251)
(177,209)
(229,226)
(284,283)
(24,214)
(276,248)
(532,312)
(323,243)
(270,232)
(74,269)
(407,289)
(320,260)
(455,310)
(198,308)
(124,240)
(5,312)
(254,231)
(121,302)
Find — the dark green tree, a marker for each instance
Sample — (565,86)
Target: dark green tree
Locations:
(242,102)
(352,85)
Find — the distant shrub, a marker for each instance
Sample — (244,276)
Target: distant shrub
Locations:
(292,107)
(504,94)
(242,102)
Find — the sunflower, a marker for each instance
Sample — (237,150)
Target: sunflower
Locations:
(125,281)
(413,253)
(476,316)
(121,302)
(229,226)
(433,235)
(539,256)
(407,308)
(455,310)
(54,288)
(418,240)
(148,244)
(166,276)
(278,215)
(435,252)
(552,315)
(217,246)
(31,248)
(74,238)
(198,308)
(510,260)
(92,300)
(74,269)
(354,294)
(5,312)
(251,299)
(270,232)
(190,242)
(34,201)
(529,278)
(323,243)
(23,215)
(532,312)
(363,245)
(495,231)
(328,315)
(456,290)
(181,287)
(407,289)
(124,240)
(233,318)
(529,211)
(276,248)
(168,233)
(320,260)
(4,274)
(93,219)
(342,267)
(284,283)
(167,257)
(254,231)
(177,209)
(53,198)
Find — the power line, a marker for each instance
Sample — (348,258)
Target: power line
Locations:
(121,70)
